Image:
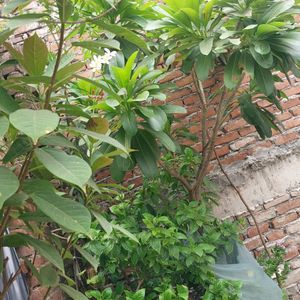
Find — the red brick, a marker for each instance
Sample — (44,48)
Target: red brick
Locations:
(236,157)
(190,100)
(178,94)
(291,253)
(221,151)
(228,137)
(236,124)
(171,76)
(236,113)
(253,243)
(247,130)
(208,83)
(264,103)
(284,116)
(295,111)
(291,102)
(279,222)
(263,216)
(288,205)
(186,80)
(291,123)
(276,201)
(252,231)
(262,144)
(195,129)
(292,91)
(275,235)
(286,138)
(242,143)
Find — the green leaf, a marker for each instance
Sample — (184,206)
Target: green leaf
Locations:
(48,276)
(203,65)
(158,120)
(67,72)
(129,124)
(248,63)
(17,199)
(56,140)
(44,249)
(275,10)
(97,45)
(66,212)
(264,80)
(7,103)
(100,137)
(107,226)
(232,73)
(265,61)
(34,123)
(91,259)
(183,292)
(70,168)
(264,29)
(22,20)
(262,47)
(9,184)
(4,125)
(174,109)
(147,152)
(65,9)
(125,232)
(71,110)
(5,34)
(21,145)
(206,45)
(124,33)
(74,294)
(35,54)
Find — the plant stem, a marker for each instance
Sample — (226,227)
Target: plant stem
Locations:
(56,66)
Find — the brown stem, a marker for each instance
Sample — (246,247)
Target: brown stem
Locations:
(56,66)
(174,174)
(10,281)
(248,209)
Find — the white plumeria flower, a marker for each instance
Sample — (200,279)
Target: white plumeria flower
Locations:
(98,61)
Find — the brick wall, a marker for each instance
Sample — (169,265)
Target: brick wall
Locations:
(248,159)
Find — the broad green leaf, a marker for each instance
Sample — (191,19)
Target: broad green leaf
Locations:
(91,259)
(66,212)
(65,9)
(56,140)
(9,184)
(158,120)
(264,80)
(107,226)
(124,33)
(71,110)
(265,61)
(66,59)
(183,292)
(264,29)
(206,45)
(128,121)
(248,63)
(97,45)
(232,73)
(125,232)
(22,20)
(275,10)
(70,168)
(67,72)
(101,162)
(100,137)
(17,199)
(174,109)
(7,103)
(48,276)
(34,123)
(13,4)
(74,294)
(262,47)
(35,54)
(43,248)
(21,146)
(4,125)
(5,34)
(203,65)
(147,152)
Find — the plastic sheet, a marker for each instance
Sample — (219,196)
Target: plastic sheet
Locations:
(241,265)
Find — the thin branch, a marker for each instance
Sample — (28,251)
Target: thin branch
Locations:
(248,209)
(57,62)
